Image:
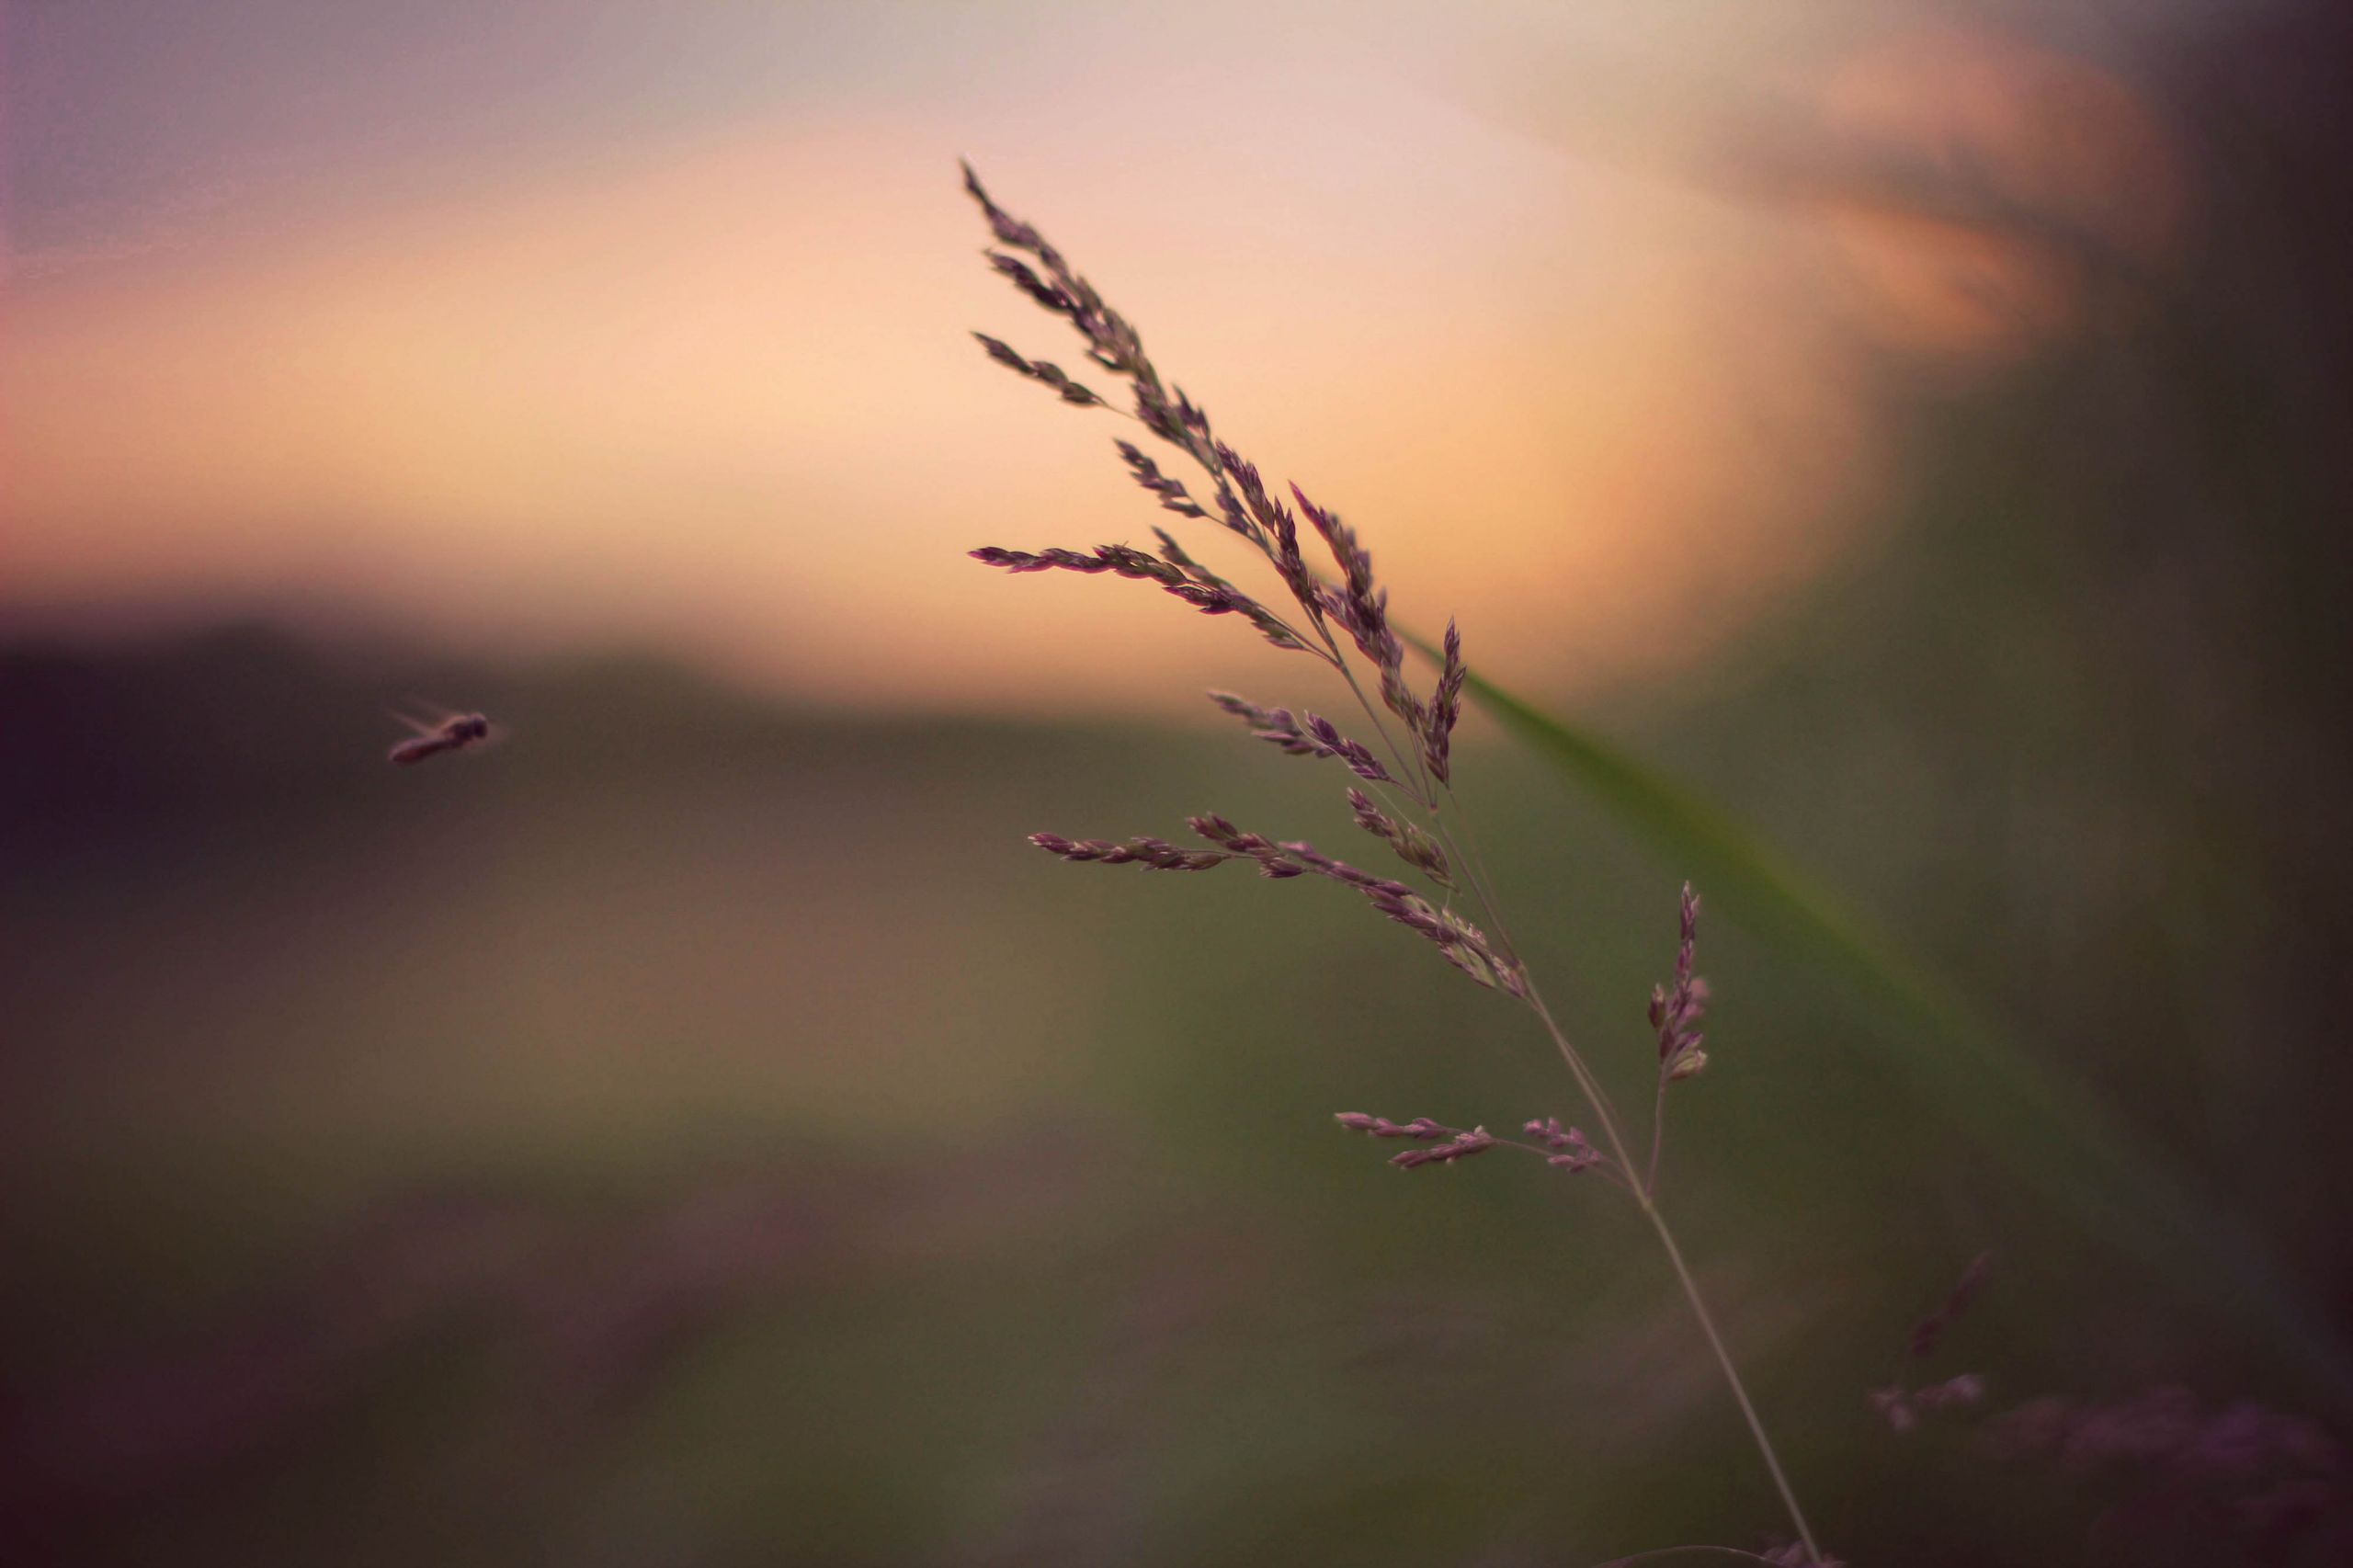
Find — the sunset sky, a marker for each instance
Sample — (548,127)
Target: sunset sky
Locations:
(530,325)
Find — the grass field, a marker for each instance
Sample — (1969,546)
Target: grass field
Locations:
(697,1133)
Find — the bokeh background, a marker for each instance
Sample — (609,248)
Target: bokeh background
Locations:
(700,1132)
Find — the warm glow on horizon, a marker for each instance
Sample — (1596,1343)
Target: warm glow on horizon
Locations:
(712,391)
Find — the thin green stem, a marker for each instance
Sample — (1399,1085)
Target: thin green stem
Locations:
(1478,869)
(1586,1081)
(1658,1133)
(1732,1375)
(1644,1201)
(1411,783)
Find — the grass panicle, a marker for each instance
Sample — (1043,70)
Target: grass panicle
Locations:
(1404,791)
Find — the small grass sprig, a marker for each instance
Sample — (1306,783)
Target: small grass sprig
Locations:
(1404,791)
(1414,847)
(1308,734)
(1039,370)
(1563,1148)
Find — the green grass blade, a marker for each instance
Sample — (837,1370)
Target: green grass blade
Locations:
(2036,1121)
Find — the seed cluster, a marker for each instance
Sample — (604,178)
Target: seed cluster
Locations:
(1331,618)
(1675,1012)
(1335,609)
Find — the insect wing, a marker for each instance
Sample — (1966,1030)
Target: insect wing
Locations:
(439,714)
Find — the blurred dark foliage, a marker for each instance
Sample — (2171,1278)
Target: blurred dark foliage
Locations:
(2104,660)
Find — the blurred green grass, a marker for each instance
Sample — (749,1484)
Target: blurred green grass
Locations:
(1090,1274)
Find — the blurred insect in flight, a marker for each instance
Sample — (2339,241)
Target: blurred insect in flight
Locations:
(452,732)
